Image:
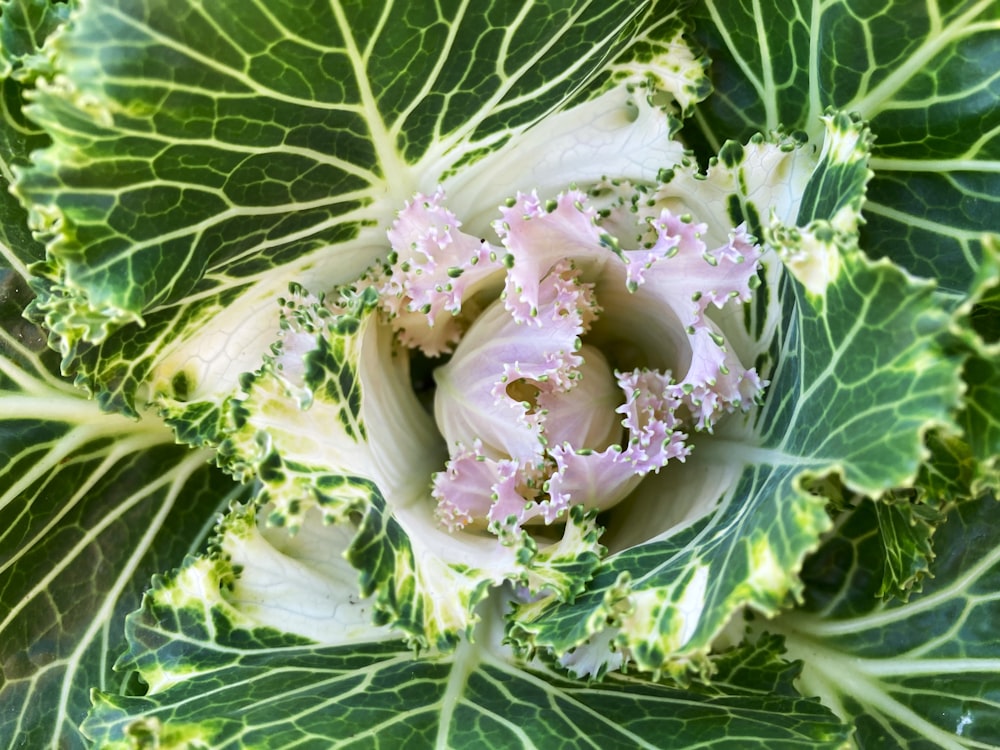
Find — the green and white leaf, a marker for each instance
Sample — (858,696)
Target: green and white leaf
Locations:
(979,417)
(205,155)
(921,674)
(331,430)
(220,627)
(91,505)
(859,373)
(925,78)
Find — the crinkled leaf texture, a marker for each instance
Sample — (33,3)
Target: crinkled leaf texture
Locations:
(925,81)
(924,77)
(223,674)
(91,505)
(980,416)
(857,370)
(308,427)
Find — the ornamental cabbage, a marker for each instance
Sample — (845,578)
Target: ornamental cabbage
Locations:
(530,374)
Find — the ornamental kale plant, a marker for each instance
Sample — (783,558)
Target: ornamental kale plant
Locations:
(508,375)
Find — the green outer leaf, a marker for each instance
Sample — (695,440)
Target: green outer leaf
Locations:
(356,698)
(925,77)
(90,507)
(270,690)
(949,471)
(24,26)
(262,136)
(921,674)
(64,596)
(979,417)
(871,364)
(932,223)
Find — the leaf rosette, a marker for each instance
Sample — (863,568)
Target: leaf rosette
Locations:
(553,399)
(486,400)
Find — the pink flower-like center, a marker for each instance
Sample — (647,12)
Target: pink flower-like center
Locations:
(536,419)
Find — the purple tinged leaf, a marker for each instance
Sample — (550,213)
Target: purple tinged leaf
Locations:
(435,266)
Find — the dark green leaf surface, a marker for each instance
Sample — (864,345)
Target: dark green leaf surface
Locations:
(198,148)
(949,472)
(262,689)
(906,530)
(981,416)
(921,674)
(90,507)
(925,77)
(24,26)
